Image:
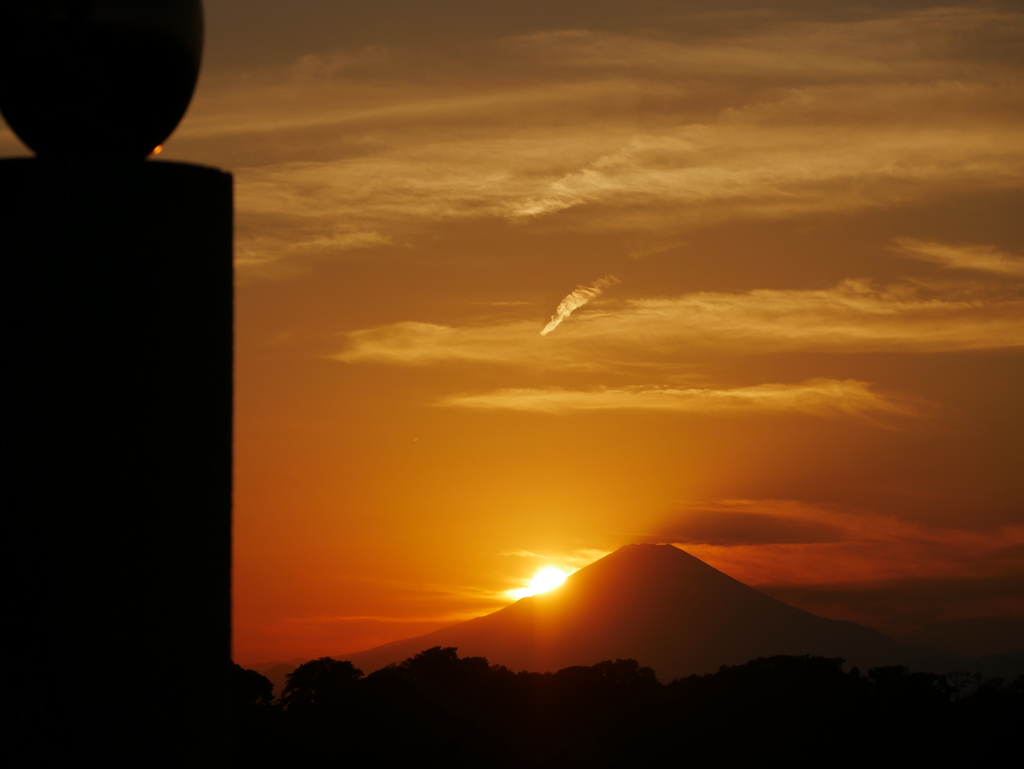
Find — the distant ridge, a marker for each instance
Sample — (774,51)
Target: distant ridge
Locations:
(655,604)
(277,672)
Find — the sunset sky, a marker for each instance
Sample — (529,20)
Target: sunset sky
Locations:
(523,282)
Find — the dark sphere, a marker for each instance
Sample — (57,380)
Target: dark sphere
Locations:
(92,79)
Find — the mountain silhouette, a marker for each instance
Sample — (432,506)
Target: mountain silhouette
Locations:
(655,604)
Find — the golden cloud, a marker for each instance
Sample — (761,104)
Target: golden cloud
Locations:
(821,397)
(358,149)
(962,257)
(851,317)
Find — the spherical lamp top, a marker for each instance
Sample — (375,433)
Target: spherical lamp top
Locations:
(98,79)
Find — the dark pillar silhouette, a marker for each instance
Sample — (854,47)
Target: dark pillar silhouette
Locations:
(115,439)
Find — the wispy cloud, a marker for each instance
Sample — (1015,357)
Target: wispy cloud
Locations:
(759,119)
(577,299)
(978,258)
(822,397)
(574,560)
(852,317)
(865,547)
(451,617)
(269,246)
(857,564)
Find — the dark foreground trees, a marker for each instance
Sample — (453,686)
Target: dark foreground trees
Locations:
(436,709)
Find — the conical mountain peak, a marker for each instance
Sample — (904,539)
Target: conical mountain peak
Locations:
(653,603)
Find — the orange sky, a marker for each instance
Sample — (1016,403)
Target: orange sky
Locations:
(784,250)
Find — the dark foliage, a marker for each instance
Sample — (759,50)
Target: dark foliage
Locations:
(249,689)
(323,684)
(436,709)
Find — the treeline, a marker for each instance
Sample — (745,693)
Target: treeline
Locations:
(436,709)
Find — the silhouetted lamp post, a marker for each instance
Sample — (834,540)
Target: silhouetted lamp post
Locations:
(116,308)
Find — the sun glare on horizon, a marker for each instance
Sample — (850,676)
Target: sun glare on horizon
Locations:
(544,580)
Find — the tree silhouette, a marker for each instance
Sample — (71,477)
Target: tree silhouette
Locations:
(324,682)
(962,684)
(437,709)
(249,689)
(257,731)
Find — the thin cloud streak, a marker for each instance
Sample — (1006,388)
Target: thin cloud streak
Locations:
(575,559)
(581,296)
(868,547)
(853,317)
(875,559)
(448,617)
(979,258)
(820,397)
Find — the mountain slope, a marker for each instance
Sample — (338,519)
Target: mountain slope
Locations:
(652,603)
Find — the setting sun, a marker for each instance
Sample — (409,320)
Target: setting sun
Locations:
(544,580)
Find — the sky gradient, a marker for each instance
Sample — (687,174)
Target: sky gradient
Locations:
(520,283)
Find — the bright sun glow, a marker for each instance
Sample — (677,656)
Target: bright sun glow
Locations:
(544,580)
